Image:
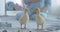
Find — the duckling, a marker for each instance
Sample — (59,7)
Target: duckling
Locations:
(25,18)
(39,18)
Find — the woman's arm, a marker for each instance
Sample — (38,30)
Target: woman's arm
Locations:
(47,3)
(44,8)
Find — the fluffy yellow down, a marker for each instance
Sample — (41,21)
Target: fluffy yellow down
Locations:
(23,19)
(39,18)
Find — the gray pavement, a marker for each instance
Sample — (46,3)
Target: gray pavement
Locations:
(50,24)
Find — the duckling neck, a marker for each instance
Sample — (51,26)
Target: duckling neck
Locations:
(38,13)
(25,13)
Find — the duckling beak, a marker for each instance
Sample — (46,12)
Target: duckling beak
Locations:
(36,11)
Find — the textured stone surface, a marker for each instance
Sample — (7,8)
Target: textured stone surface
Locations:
(50,25)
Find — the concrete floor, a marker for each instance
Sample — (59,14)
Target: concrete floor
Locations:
(50,24)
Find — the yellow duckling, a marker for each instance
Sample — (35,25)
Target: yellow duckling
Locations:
(39,18)
(23,19)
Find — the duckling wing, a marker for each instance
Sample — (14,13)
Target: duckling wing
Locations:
(23,19)
(39,20)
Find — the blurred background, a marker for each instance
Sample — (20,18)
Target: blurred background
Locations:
(54,3)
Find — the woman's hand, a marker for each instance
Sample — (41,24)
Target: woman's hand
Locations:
(44,8)
(33,1)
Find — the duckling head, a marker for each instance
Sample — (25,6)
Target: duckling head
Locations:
(25,10)
(37,10)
